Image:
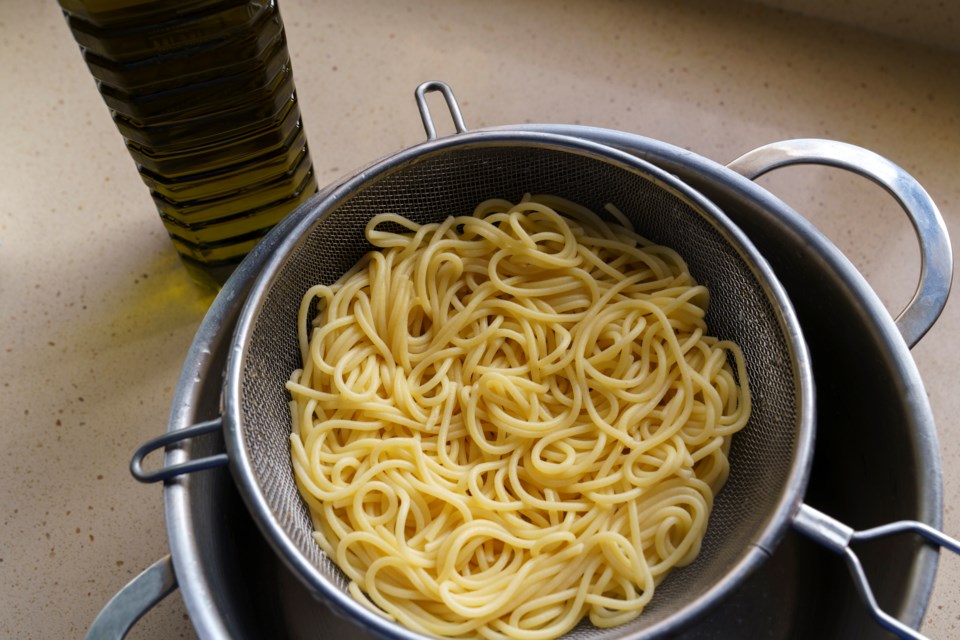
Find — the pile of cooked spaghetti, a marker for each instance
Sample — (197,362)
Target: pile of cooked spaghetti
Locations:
(510,420)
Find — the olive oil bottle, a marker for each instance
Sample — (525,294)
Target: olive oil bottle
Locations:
(203,93)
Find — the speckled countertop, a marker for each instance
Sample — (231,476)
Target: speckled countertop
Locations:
(96,313)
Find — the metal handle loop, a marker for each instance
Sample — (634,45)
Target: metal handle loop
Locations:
(132,601)
(165,473)
(451,100)
(936,255)
(836,537)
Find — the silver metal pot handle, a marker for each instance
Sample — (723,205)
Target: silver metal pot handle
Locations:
(132,601)
(836,536)
(936,256)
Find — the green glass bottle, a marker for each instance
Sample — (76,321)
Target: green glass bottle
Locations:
(203,93)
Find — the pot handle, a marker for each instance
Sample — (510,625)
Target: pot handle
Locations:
(132,601)
(836,536)
(421,95)
(171,437)
(936,256)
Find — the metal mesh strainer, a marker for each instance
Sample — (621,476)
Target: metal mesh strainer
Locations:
(769,458)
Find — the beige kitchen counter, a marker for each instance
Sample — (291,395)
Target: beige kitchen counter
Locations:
(96,313)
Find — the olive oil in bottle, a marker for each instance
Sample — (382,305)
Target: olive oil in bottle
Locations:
(202,92)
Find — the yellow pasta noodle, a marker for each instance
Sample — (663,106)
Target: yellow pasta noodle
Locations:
(511,420)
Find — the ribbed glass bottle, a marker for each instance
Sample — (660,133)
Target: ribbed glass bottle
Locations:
(203,93)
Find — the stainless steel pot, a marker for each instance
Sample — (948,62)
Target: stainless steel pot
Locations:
(782,236)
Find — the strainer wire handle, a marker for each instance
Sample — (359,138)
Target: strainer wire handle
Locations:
(174,470)
(451,100)
(936,255)
(837,537)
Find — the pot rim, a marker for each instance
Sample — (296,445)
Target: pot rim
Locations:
(657,153)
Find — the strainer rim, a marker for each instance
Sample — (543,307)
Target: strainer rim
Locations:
(778,519)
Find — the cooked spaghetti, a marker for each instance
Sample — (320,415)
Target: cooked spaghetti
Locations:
(508,421)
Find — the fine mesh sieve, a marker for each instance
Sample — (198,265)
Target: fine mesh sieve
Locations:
(769,459)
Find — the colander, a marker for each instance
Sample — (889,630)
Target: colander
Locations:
(770,459)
